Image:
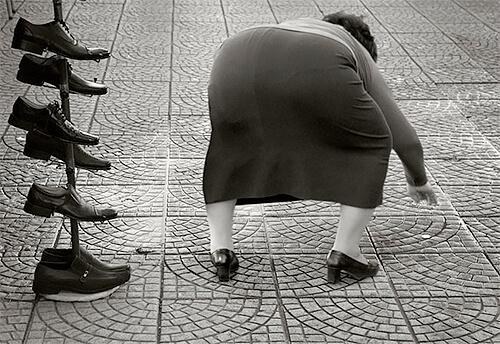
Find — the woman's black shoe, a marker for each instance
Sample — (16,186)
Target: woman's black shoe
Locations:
(338,261)
(225,261)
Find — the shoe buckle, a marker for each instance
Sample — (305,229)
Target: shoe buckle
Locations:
(84,276)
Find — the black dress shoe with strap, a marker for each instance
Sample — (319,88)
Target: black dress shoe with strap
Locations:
(226,262)
(55,37)
(75,280)
(63,255)
(36,71)
(45,200)
(48,119)
(338,261)
(41,146)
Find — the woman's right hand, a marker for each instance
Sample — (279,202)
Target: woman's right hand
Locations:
(421,193)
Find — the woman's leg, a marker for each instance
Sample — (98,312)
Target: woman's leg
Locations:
(351,227)
(220,222)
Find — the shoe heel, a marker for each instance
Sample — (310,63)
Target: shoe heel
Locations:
(28,79)
(223,273)
(36,154)
(37,210)
(44,289)
(19,123)
(27,46)
(333,275)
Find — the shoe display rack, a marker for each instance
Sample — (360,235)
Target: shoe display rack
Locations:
(62,274)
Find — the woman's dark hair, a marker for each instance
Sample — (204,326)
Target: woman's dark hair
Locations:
(357,27)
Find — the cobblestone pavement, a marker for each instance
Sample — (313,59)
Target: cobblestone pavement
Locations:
(439,280)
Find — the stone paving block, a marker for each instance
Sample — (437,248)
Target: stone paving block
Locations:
(465,172)
(140,59)
(192,89)
(429,234)
(37,12)
(12,201)
(16,271)
(462,75)
(474,200)
(123,235)
(305,276)
(411,83)
(448,146)
(145,93)
(235,320)
(26,172)
(471,319)
(346,320)
(483,114)
(435,117)
(189,106)
(191,72)
(445,275)
(127,171)
(185,200)
(191,235)
(129,145)
(128,200)
(144,8)
(301,235)
(122,116)
(190,276)
(471,91)
(192,13)
(485,231)
(137,70)
(28,233)
(110,320)
(189,146)
(397,203)
(300,208)
(285,12)
(14,320)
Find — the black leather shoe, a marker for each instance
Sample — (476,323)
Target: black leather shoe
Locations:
(45,200)
(41,146)
(55,37)
(226,262)
(76,276)
(338,261)
(36,71)
(49,120)
(61,256)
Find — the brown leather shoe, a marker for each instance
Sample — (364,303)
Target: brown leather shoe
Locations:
(48,119)
(36,71)
(61,256)
(45,200)
(55,37)
(41,146)
(75,276)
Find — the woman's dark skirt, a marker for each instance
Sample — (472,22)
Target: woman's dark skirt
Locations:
(291,120)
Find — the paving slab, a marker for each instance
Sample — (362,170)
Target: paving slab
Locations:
(439,279)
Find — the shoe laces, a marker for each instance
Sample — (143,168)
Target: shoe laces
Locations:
(60,116)
(65,26)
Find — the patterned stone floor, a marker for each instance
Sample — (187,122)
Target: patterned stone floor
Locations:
(440,276)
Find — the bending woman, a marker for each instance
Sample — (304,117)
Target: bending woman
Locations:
(300,111)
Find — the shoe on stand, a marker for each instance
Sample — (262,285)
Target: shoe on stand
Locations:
(48,119)
(58,255)
(55,37)
(45,200)
(36,71)
(41,146)
(75,280)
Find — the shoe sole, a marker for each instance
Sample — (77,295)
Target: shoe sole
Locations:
(68,296)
